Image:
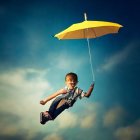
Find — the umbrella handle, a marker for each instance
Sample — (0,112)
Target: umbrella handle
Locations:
(85,16)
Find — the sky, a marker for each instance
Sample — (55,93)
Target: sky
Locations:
(33,65)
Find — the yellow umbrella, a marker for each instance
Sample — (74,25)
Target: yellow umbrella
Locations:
(89,29)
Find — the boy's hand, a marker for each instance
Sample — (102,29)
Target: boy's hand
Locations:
(42,102)
(93,83)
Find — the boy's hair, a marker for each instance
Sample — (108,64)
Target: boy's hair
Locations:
(73,75)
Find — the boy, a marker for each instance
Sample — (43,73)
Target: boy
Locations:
(68,97)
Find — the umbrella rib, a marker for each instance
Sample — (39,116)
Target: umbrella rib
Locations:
(84,33)
(94,32)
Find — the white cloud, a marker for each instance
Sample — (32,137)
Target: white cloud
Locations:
(20,92)
(89,117)
(19,80)
(113,116)
(117,58)
(68,120)
(88,121)
(85,119)
(131,132)
(53,137)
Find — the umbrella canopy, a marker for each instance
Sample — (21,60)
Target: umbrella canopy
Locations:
(88,29)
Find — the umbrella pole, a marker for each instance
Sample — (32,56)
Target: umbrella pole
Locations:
(90,60)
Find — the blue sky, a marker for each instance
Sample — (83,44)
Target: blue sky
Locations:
(33,65)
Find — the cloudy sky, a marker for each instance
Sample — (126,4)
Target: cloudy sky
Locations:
(33,65)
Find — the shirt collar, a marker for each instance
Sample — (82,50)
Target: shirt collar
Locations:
(67,88)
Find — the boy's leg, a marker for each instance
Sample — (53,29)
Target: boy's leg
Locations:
(48,115)
(62,101)
(45,116)
(61,107)
(54,105)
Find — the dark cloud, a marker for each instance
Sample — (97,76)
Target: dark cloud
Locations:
(8,118)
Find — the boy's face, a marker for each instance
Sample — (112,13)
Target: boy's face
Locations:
(71,82)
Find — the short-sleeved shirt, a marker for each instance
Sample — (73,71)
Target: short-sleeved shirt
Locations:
(72,95)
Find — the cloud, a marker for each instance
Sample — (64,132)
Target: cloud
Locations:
(29,80)
(117,58)
(69,120)
(88,121)
(53,137)
(131,132)
(85,119)
(89,117)
(66,61)
(7,124)
(113,116)
(20,92)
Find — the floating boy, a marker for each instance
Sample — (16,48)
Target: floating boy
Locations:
(69,96)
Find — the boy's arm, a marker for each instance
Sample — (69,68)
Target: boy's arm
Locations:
(44,101)
(88,93)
